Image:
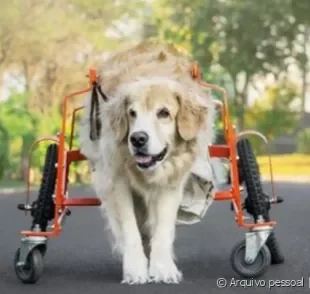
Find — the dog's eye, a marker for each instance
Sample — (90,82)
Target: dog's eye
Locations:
(132,113)
(163,113)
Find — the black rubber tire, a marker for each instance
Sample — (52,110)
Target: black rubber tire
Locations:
(257,202)
(277,256)
(245,270)
(43,207)
(31,272)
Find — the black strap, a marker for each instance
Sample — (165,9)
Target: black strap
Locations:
(95,123)
(104,97)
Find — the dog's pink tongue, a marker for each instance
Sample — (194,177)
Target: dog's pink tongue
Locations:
(143,159)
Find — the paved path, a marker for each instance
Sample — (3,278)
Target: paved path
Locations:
(80,260)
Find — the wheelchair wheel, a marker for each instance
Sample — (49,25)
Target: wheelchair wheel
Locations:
(250,270)
(31,272)
(257,202)
(43,208)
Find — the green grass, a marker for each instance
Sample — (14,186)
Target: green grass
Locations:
(286,165)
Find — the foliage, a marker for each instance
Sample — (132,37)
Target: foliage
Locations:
(248,39)
(46,48)
(19,124)
(4,150)
(272,114)
(303,141)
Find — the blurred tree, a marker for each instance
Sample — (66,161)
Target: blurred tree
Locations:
(303,141)
(301,12)
(21,128)
(4,149)
(275,113)
(41,41)
(246,38)
(46,47)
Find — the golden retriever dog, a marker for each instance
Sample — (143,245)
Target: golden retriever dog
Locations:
(144,125)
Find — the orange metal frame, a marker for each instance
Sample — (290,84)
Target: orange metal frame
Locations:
(68,155)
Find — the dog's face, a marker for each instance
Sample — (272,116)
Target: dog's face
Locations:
(153,121)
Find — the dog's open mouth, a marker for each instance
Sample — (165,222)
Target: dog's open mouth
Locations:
(146,160)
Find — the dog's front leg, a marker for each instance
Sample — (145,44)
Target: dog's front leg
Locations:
(163,214)
(120,212)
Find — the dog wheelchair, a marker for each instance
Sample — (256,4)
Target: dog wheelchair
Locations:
(250,258)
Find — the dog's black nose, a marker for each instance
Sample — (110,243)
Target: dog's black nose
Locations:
(139,139)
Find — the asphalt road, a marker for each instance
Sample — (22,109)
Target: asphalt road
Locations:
(80,260)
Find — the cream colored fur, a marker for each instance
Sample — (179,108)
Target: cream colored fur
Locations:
(141,207)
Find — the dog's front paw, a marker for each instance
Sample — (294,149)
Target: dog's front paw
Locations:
(135,269)
(164,272)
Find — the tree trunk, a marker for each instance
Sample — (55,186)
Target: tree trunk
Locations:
(4,153)
(23,161)
(304,71)
(24,154)
(240,113)
(304,68)
(240,101)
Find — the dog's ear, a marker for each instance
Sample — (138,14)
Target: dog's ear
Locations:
(119,121)
(190,117)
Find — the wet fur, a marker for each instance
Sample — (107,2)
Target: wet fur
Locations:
(141,208)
